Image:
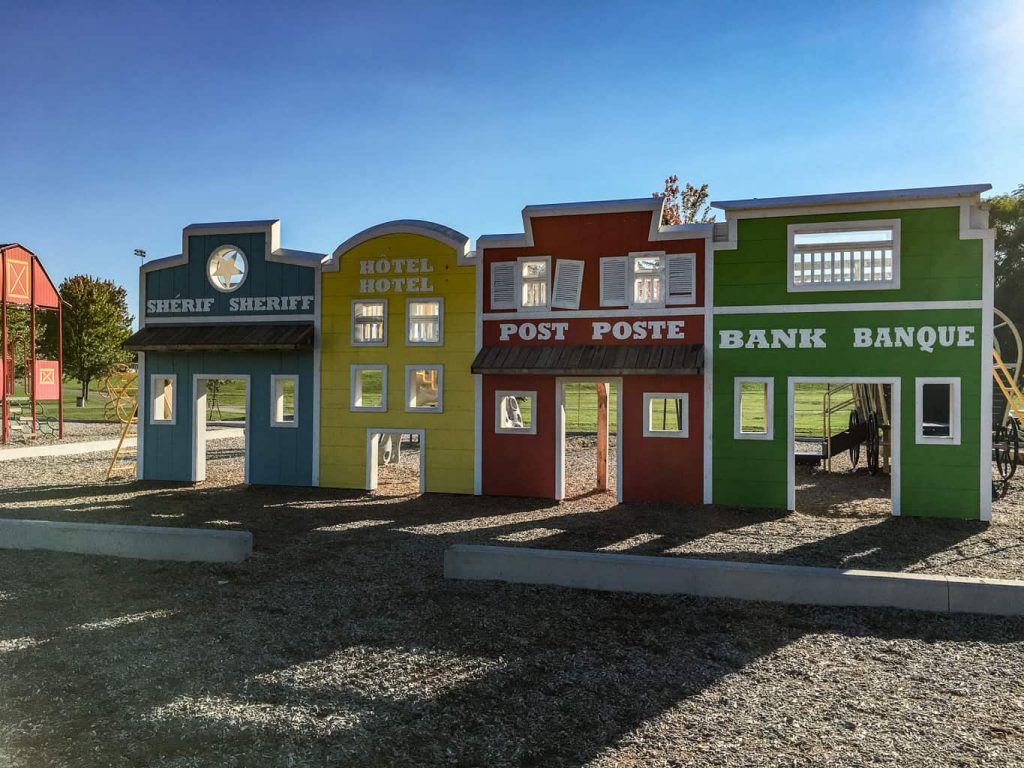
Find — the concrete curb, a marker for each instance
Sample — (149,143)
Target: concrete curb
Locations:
(141,542)
(742,581)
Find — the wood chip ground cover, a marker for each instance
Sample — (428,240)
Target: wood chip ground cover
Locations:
(339,643)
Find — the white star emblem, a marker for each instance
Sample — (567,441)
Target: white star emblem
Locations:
(227,269)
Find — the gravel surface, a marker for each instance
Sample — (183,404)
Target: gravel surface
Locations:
(340,644)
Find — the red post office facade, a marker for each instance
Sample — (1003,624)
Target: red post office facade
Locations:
(602,293)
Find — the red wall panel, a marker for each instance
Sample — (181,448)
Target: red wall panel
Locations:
(519,465)
(661,468)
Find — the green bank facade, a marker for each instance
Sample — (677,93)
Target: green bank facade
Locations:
(893,297)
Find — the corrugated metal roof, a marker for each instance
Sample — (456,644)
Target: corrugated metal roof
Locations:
(591,359)
(257,337)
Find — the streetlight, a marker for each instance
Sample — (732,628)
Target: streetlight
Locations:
(141,254)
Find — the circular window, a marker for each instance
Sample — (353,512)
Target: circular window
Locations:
(227,268)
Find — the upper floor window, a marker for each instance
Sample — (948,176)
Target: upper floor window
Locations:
(521,284)
(648,279)
(423,321)
(534,282)
(369,323)
(844,256)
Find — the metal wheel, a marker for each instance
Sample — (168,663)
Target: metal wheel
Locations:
(874,444)
(1006,448)
(855,448)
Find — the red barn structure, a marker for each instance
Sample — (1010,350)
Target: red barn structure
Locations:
(24,283)
(602,294)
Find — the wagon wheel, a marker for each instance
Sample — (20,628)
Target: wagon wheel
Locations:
(1008,454)
(854,446)
(874,444)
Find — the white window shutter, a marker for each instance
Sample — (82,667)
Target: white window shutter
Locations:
(682,278)
(568,284)
(503,285)
(613,281)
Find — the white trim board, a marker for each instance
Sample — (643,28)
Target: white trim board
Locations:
(560,382)
(231,319)
(549,315)
(895,477)
(865,306)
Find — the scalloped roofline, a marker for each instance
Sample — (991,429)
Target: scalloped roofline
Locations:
(443,234)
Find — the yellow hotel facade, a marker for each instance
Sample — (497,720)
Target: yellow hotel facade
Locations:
(398,337)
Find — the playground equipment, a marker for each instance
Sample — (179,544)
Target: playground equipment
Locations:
(25,284)
(121,391)
(1007,401)
(866,409)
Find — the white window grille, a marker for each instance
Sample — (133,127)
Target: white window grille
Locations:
(423,322)
(369,323)
(847,255)
(534,282)
(648,278)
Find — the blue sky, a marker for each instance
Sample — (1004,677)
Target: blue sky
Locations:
(123,122)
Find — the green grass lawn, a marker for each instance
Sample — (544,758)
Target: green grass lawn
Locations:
(808,405)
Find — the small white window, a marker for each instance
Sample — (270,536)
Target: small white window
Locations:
(370,323)
(666,414)
(424,318)
(844,256)
(424,388)
(647,274)
(162,390)
(754,408)
(284,399)
(568,284)
(369,388)
(515,413)
(533,282)
(938,411)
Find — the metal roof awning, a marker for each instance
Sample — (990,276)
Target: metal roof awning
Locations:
(252,337)
(592,359)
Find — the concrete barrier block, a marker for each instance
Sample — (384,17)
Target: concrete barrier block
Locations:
(702,578)
(992,596)
(141,542)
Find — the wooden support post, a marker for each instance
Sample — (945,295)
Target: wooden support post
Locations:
(31,357)
(4,407)
(602,437)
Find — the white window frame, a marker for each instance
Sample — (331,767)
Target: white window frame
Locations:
(519,284)
(737,432)
(500,395)
(631,277)
(356,388)
(843,226)
(440,388)
(440,322)
(352,336)
(153,377)
(650,397)
(955,411)
(277,401)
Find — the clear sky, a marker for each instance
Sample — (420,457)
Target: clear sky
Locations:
(123,122)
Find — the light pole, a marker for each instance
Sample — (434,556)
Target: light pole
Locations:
(141,254)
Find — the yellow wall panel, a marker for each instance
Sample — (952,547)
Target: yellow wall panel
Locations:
(397,267)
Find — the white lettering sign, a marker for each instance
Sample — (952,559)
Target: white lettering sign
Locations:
(638,330)
(531,331)
(398,278)
(773,338)
(186,306)
(926,338)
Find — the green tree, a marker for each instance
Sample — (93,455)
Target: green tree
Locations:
(1006,215)
(688,205)
(96,323)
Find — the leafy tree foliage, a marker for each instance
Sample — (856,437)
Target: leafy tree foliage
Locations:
(1006,215)
(95,326)
(688,205)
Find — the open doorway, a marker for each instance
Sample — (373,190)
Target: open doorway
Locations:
(588,438)
(221,409)
(395,461)
(842,439)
